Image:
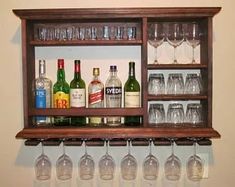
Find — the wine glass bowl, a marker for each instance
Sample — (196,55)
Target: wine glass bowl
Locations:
(42,166)
(174,36)
(156,37)
(64,166)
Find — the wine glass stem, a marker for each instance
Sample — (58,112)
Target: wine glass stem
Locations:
(193,59)
(155,58)
(175,60)
(106,147)
(194,145)
(63,147)
(172,148)
(42,148)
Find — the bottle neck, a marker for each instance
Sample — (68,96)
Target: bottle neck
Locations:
(42,68)
(77,70)
(131,71)
(61,74)
(113,73)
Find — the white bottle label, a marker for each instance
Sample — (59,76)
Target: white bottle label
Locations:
(77,97)
(132,99)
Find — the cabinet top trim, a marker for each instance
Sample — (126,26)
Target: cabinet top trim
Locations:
(163,12)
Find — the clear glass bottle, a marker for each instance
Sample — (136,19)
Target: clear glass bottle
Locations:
(113,95)
(77,94)
(96,97)
(42,92)
(132,96)
(61,95)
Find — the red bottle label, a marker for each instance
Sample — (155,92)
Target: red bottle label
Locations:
(96,97)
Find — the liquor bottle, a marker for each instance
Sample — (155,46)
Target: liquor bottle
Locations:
(61,95)
(96,97)
(113,95)
(132,96)
(77,94)
(42,92)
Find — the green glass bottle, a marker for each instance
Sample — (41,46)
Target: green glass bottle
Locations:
(61,95)
(77,94)
(132,96)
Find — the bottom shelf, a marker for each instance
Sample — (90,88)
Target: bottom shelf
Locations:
(116,133)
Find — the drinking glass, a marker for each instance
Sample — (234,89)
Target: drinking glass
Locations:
(63,33)
(195,166)
(150,165)
(156,113)
(194,113)
(50,35)
(42,33)
(175,113)
(106,166)
(193,84)
(193,37)
(128,166)
(64,166)
(172,166)
(156,84)
(175,84)
(42,166)
(131,33)
(156,37)
(119,33)
(82,33)
(174,36)
(106,32)
(69,32)
(93,33)
(86,166)
(87,33)
(75,33)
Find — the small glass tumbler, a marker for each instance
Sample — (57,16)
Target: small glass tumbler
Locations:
(87,33)
(93,33)
(156,113)
(193,84)
(42,33)
(175,113)
(106,32)
(119,32)
(82,33)
(156,84)
(131,33)
(194,113)
(175,84)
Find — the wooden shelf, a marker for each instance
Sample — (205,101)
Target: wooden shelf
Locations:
(112,133)
(176,66)
(176,97)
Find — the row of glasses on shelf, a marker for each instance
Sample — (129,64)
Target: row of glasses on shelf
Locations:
(175,84)
(129,166)
(67,33)
(175,33)
(175,114)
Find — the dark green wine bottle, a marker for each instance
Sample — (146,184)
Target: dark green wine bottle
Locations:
(132,96)
(61,95)
(77,94)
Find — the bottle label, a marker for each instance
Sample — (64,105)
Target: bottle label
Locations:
(40,100)
(77,97)
(113,90)
(61,100)
(96,97)
(132,99)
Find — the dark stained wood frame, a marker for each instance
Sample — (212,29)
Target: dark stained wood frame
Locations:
(141,16)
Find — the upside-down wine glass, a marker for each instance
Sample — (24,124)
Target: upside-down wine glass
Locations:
(195,166)
(129,166)
(193,37)
(64,166)
(107,165)
(86,166)
(150,165)
(156,38)
(43,166)
(175,37)
(172,165)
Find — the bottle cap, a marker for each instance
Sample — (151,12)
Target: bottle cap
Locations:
(96,71)
(113,68)
(60,63)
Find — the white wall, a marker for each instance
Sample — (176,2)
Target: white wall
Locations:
(16,160)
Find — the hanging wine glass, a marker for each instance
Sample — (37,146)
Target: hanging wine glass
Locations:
(86,166)
(64,166)
(129,166)
(106,166)
(150,165)
(174,36)
(43,166)
(156,37)
(193,37)
(195,166)
(172,166)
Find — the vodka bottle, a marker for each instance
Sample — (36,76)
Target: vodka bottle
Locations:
(96,97)
(42,91)
(113,95)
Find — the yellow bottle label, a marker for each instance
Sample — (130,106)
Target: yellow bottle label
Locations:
(61,100)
